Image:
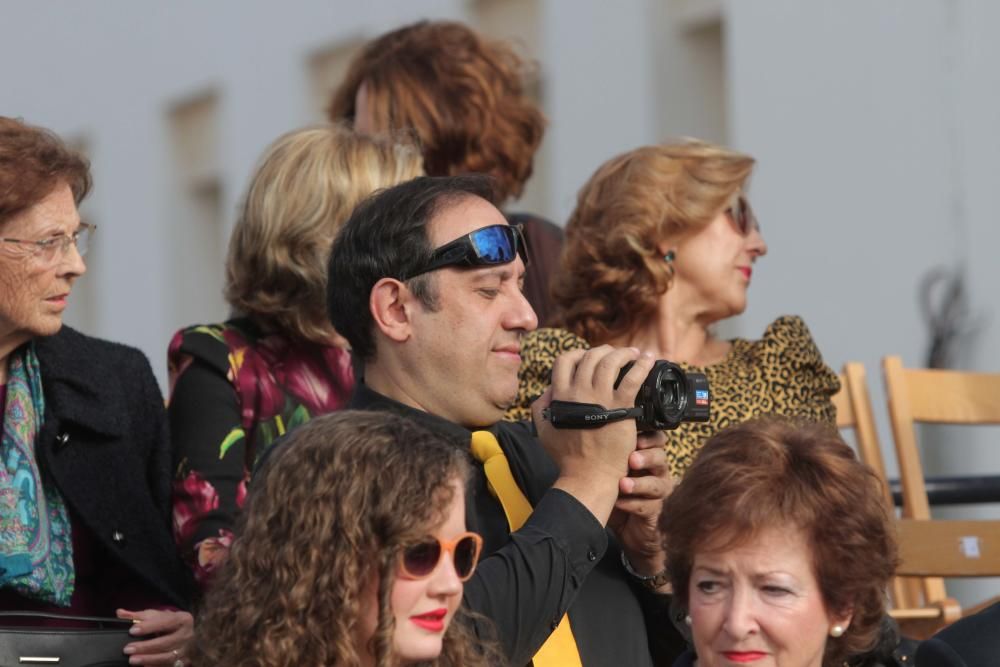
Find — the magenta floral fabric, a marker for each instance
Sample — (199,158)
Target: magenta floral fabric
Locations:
(233,391)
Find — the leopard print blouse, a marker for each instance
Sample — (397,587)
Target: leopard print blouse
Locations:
(782,373)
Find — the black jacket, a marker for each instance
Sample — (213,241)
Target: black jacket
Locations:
(561,559)
(104,442)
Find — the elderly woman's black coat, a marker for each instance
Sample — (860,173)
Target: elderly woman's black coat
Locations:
(105,444)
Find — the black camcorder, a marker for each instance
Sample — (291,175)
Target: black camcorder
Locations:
(668,396)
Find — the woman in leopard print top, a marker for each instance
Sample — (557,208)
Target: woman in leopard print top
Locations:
(660,247)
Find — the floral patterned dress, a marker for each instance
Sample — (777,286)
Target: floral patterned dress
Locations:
(233,391)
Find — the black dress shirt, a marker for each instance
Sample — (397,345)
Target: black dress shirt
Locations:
(561,559)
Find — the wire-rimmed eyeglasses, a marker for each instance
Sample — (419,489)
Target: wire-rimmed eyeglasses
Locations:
(51,249)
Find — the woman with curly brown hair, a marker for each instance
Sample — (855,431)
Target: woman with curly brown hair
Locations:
(780,548)
(660,247)
(464,98)
(238,385)
(352,551)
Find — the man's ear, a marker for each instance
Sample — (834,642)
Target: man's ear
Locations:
(389,303)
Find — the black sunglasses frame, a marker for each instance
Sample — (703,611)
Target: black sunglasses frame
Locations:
(463,252)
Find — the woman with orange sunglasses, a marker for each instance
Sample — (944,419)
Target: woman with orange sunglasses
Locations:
(352,550)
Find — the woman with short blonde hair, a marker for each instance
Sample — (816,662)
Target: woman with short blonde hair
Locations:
(661,246)
(238,385)
(613,274)
(307,184)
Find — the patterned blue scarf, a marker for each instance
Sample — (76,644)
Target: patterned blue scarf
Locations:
(37,555)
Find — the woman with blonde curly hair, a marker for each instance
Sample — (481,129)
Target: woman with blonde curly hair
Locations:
(788,561)
(464,98)
(661,246)
(352,551)
(238,385)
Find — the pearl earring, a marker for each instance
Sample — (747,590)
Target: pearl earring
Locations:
(687,620)
(837,631)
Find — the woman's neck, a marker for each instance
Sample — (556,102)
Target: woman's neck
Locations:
(677,336)
(7,345)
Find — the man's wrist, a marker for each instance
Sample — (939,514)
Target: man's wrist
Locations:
(654,582)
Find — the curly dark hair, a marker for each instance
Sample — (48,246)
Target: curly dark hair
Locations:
(33,163)
(770,472)
(462,96)
(327,511)
(612,273)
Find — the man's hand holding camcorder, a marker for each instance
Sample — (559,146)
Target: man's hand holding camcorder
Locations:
(636,515)
(592,462)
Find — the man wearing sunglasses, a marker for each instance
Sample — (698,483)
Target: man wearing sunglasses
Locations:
(425,283)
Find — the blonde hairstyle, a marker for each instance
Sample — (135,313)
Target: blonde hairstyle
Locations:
(612,272)
(306,186)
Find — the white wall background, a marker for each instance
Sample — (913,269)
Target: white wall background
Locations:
(874,125)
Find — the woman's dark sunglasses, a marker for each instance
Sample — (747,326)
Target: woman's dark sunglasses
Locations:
(488,246)
(742,216)
(419,561)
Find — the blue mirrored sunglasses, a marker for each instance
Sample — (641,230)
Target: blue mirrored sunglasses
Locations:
(488,246)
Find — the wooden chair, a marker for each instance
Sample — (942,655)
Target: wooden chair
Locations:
(854,413)
(932,396)
(931,549)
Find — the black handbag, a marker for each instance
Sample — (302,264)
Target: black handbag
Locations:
(100,646)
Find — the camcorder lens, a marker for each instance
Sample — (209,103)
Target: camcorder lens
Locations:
(669,396)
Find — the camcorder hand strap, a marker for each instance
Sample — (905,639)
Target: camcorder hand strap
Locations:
(569,414)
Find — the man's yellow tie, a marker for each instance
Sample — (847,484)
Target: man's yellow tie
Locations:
(559,650)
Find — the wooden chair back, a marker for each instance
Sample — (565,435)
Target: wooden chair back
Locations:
(931,549)
(938,548)
(854,413)
(932,396)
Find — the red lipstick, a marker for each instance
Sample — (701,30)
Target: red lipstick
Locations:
(432,621)
(744,656)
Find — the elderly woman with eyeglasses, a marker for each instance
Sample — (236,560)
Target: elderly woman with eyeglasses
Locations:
(85,480)
(661,246)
